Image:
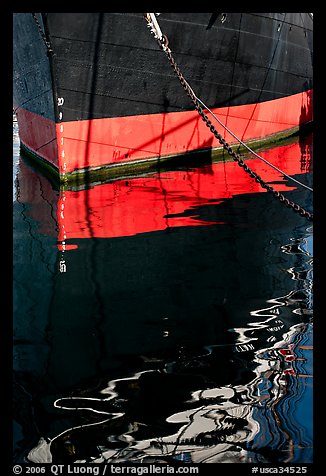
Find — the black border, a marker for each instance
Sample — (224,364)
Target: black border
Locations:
(6,356)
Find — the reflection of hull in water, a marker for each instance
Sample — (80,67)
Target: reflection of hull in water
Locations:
(148,288)
(135,302)
(172,198)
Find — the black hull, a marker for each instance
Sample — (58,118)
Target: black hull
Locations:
(109,65)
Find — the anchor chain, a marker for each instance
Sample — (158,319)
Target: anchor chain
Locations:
(162,41)
(43,36)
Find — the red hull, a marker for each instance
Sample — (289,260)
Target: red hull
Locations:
(81,145)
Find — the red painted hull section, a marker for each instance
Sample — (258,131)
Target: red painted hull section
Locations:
(112,141)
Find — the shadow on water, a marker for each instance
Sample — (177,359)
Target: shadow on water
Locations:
(170,321)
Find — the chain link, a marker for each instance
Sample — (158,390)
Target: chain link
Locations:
(46,42)
(163,43)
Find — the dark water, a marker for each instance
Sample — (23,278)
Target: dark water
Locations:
(166,317)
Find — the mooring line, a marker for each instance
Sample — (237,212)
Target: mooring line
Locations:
(162,40)
(252,151)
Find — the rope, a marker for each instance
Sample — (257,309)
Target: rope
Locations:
(163,43)
(253,152)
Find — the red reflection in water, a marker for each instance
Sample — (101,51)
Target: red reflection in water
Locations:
(144,204)
(36,192)
(65,247)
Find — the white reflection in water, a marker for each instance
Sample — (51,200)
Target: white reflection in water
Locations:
(268,419)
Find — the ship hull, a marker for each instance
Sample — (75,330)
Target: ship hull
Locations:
(94,91)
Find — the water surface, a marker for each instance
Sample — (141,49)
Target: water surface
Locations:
(166,317)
